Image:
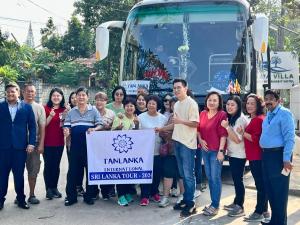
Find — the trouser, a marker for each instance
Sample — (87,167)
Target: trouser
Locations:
(80,171)
(277,185)
(186,164)
(213,170)
(198,166)
(237,168)
(52,157)
(261,198)
(12,160)
(148,190)
(78,159)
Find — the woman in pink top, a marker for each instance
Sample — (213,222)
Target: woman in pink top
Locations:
(212,138)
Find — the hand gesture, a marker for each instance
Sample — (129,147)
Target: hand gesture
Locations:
(240,130)
(120,127)
(288,166)
(157,129)
(176,119)
(90,130)
(220,157)
(225,123)
(52,112)
(203,144)
(136,120)
(68,107)
(120,116)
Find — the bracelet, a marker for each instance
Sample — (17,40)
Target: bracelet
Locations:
(222,150)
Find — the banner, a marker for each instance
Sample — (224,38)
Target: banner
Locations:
(120,157)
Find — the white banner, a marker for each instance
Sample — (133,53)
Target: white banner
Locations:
(131,86)
(120,157)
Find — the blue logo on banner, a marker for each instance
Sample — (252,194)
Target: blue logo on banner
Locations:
(122,143)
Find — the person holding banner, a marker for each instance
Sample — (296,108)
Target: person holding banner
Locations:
(150,120)
(186,119)
(107,116)
(79,120)
(128,121)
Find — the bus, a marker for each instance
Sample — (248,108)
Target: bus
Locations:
(214,45)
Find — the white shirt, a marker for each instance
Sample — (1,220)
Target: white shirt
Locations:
(150,122)
(13,110)
(233,149)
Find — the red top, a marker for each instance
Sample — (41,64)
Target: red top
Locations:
(211,130)
(254,128)
(54,133)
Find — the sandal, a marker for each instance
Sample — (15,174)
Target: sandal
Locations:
(211,211)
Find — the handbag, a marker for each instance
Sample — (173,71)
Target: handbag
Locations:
(165,149)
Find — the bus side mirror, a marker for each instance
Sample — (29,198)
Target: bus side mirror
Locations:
(260,30)
(102,42)
(102,37)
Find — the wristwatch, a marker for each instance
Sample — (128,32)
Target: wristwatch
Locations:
(222,150)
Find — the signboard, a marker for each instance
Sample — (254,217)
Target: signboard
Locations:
(131,86)
(120,157)
(284,70)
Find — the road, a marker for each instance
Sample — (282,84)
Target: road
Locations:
(50,212)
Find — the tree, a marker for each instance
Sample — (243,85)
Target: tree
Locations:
(7,73)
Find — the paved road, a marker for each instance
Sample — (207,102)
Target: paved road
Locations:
(107,213)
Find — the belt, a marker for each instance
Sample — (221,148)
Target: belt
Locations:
(272,149)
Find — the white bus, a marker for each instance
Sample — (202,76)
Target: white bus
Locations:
(213,45)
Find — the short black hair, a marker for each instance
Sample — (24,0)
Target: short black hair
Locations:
(119,87)
(28,84)
(156,99)
(12,85)
(58,90)
(129,100)
(272,92)
(177,80)
(220,107)
(82,89)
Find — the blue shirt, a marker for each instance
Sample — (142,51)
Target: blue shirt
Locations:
(80,123)
(278,130)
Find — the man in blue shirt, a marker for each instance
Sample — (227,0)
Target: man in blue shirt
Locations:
(277,141)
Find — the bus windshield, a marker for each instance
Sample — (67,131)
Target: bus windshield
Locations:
(206,44)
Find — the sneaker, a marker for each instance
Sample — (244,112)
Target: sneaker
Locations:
(237,212)
(210,211)
(112,193)
(70,202)
(229,207)
(49,194)
(164,202)
(33,200)
(80,191)
(197,194)
(156,198)
(56,193)
(179,206)
(188,211)
(173,192)
(97,197)
(144,202)
(254,217)
(122,201)
(105,197)
(129,198)
(179,198)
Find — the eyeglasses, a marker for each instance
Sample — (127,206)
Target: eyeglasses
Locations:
(119,94)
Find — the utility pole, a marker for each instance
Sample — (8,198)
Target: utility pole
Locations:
(280,41)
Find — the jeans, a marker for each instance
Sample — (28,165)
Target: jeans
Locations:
(186,163)
(277,186)
(198,166)
(237,167)
(52,157)
(261,198)
(213,169)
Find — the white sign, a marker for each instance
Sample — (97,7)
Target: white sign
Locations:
(284,70)
(131,86)
(120,157)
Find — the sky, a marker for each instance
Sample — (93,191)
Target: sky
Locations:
(36,11)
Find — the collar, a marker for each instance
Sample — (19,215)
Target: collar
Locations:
(275,111)
(17,103)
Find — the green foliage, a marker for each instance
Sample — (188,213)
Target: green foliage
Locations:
(7,73)
(70,73)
